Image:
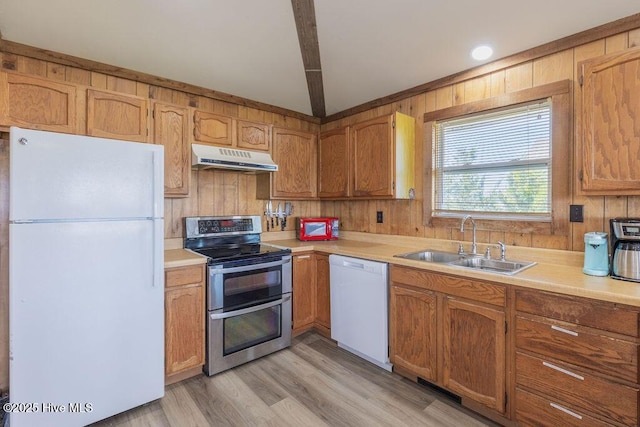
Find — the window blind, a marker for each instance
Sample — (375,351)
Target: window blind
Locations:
(498,163)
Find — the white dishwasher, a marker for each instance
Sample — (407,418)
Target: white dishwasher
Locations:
(359,308)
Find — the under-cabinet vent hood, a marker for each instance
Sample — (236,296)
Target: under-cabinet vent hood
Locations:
(207,157)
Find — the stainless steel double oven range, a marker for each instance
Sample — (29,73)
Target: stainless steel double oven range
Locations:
(248,290)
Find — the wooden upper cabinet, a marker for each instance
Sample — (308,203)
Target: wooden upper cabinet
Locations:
(474,342)
(253,136)
(36,103)
(117,115)
(611,124)
(371,151)
(171,129)
(382,157)
(333,164)
(213,129)
(295,154)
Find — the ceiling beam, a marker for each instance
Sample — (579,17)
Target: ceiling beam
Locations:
(305,17)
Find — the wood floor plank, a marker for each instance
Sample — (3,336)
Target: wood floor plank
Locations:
(181,409)
(251,408)
(441,414)
(312,383)
(149,415)
(294,414)
(326,388)
(339,363)
(387,399)
(261,383)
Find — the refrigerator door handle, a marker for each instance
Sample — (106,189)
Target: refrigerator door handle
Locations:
(157,164)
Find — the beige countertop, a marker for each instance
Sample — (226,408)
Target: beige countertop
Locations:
(556,271)
(181,258)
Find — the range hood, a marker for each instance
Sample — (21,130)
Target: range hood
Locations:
(208,157)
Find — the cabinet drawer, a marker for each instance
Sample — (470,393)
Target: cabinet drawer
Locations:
(582,311)
(183,276)
(578,389)
(533,410)
(564,341)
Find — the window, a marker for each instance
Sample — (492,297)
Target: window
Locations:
(505,160)
(495,164)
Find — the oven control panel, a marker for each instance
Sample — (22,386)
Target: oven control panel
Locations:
(208,226)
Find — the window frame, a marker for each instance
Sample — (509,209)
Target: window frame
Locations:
(561,126)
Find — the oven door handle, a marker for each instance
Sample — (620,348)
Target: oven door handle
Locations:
(249,309)
(248,267)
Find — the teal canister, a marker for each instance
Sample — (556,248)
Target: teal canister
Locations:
(596,254)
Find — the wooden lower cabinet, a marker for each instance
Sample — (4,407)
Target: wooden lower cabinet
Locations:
(474,352)
(412,332)
(576,361)
(304,292)
(184,322)
(451,332)
(323,295)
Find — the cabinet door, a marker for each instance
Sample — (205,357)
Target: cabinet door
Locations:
(171,129)
(372,157)
(304,292)
(35,103)
(333,164)
(611,124)
(214,129)
(118,116)
(253,136)
(295,154)
(184,328)
(323,294)
(474,352)
(412,329)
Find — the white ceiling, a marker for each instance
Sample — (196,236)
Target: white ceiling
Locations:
(249,48)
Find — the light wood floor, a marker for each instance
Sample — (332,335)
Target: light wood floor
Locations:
(312,383)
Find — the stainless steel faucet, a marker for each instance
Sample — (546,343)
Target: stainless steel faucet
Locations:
(474,247)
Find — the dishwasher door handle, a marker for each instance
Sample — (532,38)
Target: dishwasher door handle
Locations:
(357,265)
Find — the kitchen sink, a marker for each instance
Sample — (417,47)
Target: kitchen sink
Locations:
(493,265)
(431,256)
(473,262)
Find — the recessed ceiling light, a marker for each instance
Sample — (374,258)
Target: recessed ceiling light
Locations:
(481,53)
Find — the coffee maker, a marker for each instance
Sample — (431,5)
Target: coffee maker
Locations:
(625,249)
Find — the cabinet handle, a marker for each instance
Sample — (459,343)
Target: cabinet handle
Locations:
(563,330)
(303,256)
(565,410)
(564,371)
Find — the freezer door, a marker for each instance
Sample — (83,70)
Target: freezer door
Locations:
(58,176)
(86,319)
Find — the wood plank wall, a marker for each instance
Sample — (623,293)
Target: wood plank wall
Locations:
(213,192)
(405,217)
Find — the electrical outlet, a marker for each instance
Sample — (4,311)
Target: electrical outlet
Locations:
(379,218)
(576,213)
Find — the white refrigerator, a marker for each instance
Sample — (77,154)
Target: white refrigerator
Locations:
(86,284)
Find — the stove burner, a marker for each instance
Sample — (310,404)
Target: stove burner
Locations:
(223,239)
(227,253)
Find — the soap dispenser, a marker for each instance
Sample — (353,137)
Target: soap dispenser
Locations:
(596,254)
